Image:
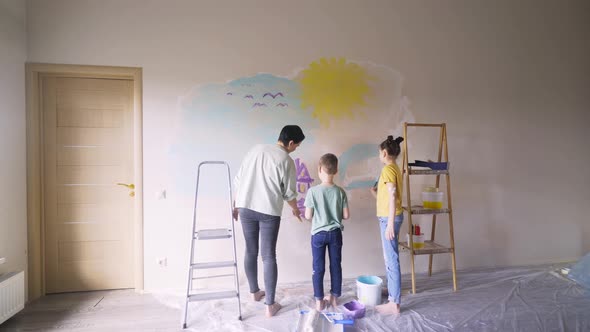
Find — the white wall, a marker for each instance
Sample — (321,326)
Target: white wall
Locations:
(509,78)
(13,200)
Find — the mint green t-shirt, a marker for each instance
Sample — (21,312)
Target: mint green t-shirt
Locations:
(327,203)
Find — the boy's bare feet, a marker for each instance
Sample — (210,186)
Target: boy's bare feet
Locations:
(272,309)
(258,295)
(389,308)
(332,301)
(320,304)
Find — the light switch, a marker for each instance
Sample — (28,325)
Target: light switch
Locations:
(2,260)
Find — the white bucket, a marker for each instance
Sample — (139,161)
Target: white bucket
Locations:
(368,290)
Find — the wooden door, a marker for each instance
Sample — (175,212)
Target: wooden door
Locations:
(88,150)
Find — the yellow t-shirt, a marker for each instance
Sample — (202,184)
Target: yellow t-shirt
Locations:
(389,174)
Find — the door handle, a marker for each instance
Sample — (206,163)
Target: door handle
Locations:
(128,186)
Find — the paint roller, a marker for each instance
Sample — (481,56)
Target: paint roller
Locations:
(313,320)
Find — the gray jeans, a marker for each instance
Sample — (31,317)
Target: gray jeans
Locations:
(255,225)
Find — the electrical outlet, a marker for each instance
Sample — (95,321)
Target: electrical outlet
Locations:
(161,194)
(162,261)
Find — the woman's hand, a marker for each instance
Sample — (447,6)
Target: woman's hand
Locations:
(390,232)
(297,214)
(235,214)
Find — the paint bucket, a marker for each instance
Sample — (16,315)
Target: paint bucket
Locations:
(432,199)
(368,290)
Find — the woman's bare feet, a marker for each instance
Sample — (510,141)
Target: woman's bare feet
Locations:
(258,295)
(389,308)
(272,309)
(320,304)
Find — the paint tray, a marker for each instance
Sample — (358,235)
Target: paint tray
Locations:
(354,309)
(434,165)
(324,325)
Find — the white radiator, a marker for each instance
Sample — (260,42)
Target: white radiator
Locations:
(12,294)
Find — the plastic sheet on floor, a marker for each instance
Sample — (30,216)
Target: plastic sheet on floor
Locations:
(532,298)
(580,272)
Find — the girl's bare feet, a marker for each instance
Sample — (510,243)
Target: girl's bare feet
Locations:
(272,309)
(389,308)
(258,295)
(320,304)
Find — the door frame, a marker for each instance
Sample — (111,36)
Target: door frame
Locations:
(35,180)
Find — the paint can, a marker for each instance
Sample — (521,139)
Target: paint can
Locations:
(368,290)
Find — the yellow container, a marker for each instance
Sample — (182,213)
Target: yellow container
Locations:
(418,241)
(432,200)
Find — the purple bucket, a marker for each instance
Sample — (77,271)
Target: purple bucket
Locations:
(354,309)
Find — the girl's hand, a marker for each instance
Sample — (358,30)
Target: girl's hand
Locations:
(374,191)
(390,232)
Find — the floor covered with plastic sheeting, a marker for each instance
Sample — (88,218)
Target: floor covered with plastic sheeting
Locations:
(533,298)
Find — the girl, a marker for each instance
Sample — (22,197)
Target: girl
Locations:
(388,191)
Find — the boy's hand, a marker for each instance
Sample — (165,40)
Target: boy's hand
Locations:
(390,232)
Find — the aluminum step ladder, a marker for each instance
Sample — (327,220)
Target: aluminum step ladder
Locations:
(212,234)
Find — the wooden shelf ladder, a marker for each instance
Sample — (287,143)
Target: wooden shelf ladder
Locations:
(430,247)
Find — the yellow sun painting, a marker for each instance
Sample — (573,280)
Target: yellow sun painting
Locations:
(334,88)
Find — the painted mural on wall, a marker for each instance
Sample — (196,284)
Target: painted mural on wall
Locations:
(344,107)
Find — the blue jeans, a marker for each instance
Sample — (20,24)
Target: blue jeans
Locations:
(391,256)
(263,228)
(319,242)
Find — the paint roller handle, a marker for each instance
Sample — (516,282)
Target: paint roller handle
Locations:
(344,321)
(337,321)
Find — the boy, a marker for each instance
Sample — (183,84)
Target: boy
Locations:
(327,204)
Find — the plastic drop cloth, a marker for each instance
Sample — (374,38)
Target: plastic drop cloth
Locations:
(580,272)
(533,298)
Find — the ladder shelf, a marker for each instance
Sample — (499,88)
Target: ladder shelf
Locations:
(429,247)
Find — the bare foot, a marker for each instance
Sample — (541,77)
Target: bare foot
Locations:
(332,300)
(272,309)
(258,295)
(320,305)
(389,308)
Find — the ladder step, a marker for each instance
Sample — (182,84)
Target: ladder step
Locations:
(428,171)
(212,296)
(213,234)
(214,276)
(419,209)
(213,265)
(428,248)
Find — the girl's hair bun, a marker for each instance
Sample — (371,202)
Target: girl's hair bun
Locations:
(399,139)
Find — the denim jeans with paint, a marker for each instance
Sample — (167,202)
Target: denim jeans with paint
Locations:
(391,256)
(319,242)
(264,229)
